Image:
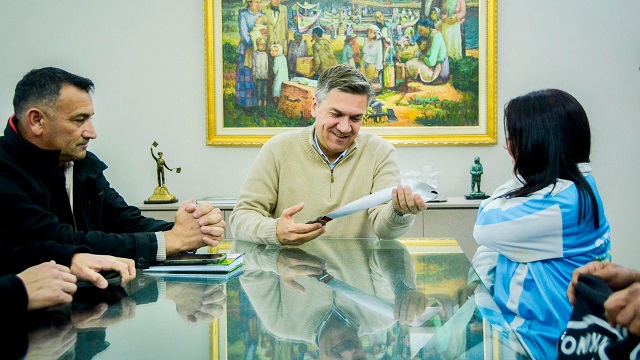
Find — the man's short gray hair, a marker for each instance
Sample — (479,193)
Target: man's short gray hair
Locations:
(344,78)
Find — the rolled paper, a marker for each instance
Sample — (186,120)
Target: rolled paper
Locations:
(426,191)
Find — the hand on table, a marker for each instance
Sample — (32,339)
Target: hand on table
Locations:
(48,284)
(210,220)
(195,227)
(86,267)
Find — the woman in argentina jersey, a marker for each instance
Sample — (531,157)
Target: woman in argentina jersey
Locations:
(543,223)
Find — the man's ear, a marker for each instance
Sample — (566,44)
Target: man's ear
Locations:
(314,106)
(33,121)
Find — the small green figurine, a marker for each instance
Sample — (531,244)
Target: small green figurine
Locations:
(476,177)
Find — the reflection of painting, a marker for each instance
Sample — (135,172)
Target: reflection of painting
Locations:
(441,275)
(427,61)
(251,340)
(442,271)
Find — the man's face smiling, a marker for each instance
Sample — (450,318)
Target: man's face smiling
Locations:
(68,127)
(338,119)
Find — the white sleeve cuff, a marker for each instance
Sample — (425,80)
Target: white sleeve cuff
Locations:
(161,255)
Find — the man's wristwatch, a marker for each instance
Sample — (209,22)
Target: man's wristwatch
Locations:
(399,213)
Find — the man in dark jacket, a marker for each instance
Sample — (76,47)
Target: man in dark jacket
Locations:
(52,188)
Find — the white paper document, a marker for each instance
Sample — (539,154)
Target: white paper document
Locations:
(426,191)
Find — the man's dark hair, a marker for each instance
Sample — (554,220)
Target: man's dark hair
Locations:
(344,78)
(42,87)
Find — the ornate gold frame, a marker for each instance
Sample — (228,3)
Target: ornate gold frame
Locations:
(484,134)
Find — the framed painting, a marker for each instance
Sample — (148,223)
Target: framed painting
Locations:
(432,64)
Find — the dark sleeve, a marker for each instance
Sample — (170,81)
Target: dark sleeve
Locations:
(104,214)
(18,258)
(105,223)
(13,297)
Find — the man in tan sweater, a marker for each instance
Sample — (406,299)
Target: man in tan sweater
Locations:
(312,171)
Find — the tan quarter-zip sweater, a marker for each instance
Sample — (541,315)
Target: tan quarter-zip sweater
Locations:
(289,170)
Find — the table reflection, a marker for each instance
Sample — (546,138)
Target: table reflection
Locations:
(329,299)
(80,330)
(357,299)
(72,331)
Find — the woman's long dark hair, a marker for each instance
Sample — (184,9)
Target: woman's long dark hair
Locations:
(548,134)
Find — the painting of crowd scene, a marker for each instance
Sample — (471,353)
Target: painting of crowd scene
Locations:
(420,56)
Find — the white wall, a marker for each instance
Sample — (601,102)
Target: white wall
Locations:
(147,60)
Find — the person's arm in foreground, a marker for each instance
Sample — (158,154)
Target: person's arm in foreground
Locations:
(623,306)
(84,265)
(48,284)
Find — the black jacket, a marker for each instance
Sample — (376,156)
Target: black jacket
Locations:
(34,205)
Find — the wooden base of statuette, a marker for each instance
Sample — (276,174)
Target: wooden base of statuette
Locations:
(476,196)
(161,195)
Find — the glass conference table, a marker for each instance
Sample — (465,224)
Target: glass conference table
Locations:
(360,298)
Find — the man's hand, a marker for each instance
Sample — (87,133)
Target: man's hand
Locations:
(289,232)
(406,202)
(616,276)
(623,308)
(194,228)
(87,266)
(48,284)
(210,220)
